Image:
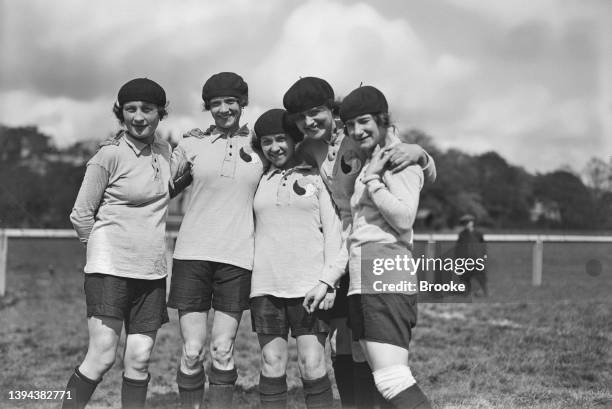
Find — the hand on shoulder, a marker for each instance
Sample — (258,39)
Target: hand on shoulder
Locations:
(196,133)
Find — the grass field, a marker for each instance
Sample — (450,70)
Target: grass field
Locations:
(524,347)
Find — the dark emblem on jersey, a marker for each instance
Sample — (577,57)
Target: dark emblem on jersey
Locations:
(346,168)
(304,187)
(350,163)
(298,189)
(245,156)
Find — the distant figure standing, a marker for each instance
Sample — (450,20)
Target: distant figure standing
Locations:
(471,245)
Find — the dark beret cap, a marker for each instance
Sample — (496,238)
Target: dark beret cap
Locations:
(361,101)
(275,121)
(142,89)
(224,84)
(307,93)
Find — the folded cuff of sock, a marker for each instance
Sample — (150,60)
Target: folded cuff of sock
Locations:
(137,382)
(316,386)
(222,376)
(190,382)
(86,379)
(272,385)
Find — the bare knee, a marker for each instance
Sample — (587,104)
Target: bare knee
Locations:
(273,362)
(137,356)
(311,365)
(100,358)
(192,356)
(221,352)
(106,359)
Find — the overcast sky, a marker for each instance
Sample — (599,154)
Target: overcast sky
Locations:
(531,79)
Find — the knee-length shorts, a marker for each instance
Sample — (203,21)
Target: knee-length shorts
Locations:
(198,285)
(385,318)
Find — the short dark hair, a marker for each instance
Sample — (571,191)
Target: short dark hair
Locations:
(294,134)
(118,111)
(382,119)
(330,104)
(243,101)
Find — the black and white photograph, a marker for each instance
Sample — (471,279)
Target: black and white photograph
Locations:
(283,204)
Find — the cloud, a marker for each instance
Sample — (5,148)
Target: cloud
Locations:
(555,13)
(351,44)
(528,126)
(78,50)
(73,119)
(477,75)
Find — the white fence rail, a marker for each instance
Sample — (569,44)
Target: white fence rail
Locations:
(538,241)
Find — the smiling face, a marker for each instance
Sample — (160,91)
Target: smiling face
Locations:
(365,131)
(226,112)
(278,149)
(316,123)
(141,119)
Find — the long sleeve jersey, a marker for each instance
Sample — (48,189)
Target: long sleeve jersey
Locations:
(218,222)
(297,232)
(339,164)
(383,214)
(120,211)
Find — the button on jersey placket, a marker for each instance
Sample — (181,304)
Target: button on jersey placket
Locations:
(283,192)
(228,168)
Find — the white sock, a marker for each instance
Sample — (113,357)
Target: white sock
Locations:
(390,381)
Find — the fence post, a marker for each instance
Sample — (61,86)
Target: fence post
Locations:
(3,259)
(538,258)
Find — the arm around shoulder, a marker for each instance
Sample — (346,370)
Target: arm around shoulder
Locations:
(397,196)
(429,168)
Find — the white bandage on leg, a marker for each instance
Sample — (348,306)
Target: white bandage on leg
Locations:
(391,380)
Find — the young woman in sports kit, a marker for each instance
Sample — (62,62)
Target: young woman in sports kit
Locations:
(310,101)
(297,237)
(120,214)
(383,206)
(213,257)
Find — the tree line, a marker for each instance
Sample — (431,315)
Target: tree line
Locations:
(39,183)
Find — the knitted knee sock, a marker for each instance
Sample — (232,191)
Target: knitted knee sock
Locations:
(411,398)
(366,394)
(191,389)
(221,387)
(79,389)
(134,392)
(273,392)
(343,372)
(318,393)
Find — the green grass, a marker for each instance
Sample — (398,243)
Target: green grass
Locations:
(525,347)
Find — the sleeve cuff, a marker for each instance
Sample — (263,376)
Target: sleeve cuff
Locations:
(370,178)
(330,277)
(375,185)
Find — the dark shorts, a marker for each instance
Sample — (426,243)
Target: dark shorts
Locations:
(386,318)
(340,308)
(275,316)
(197,285)
(140,304)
